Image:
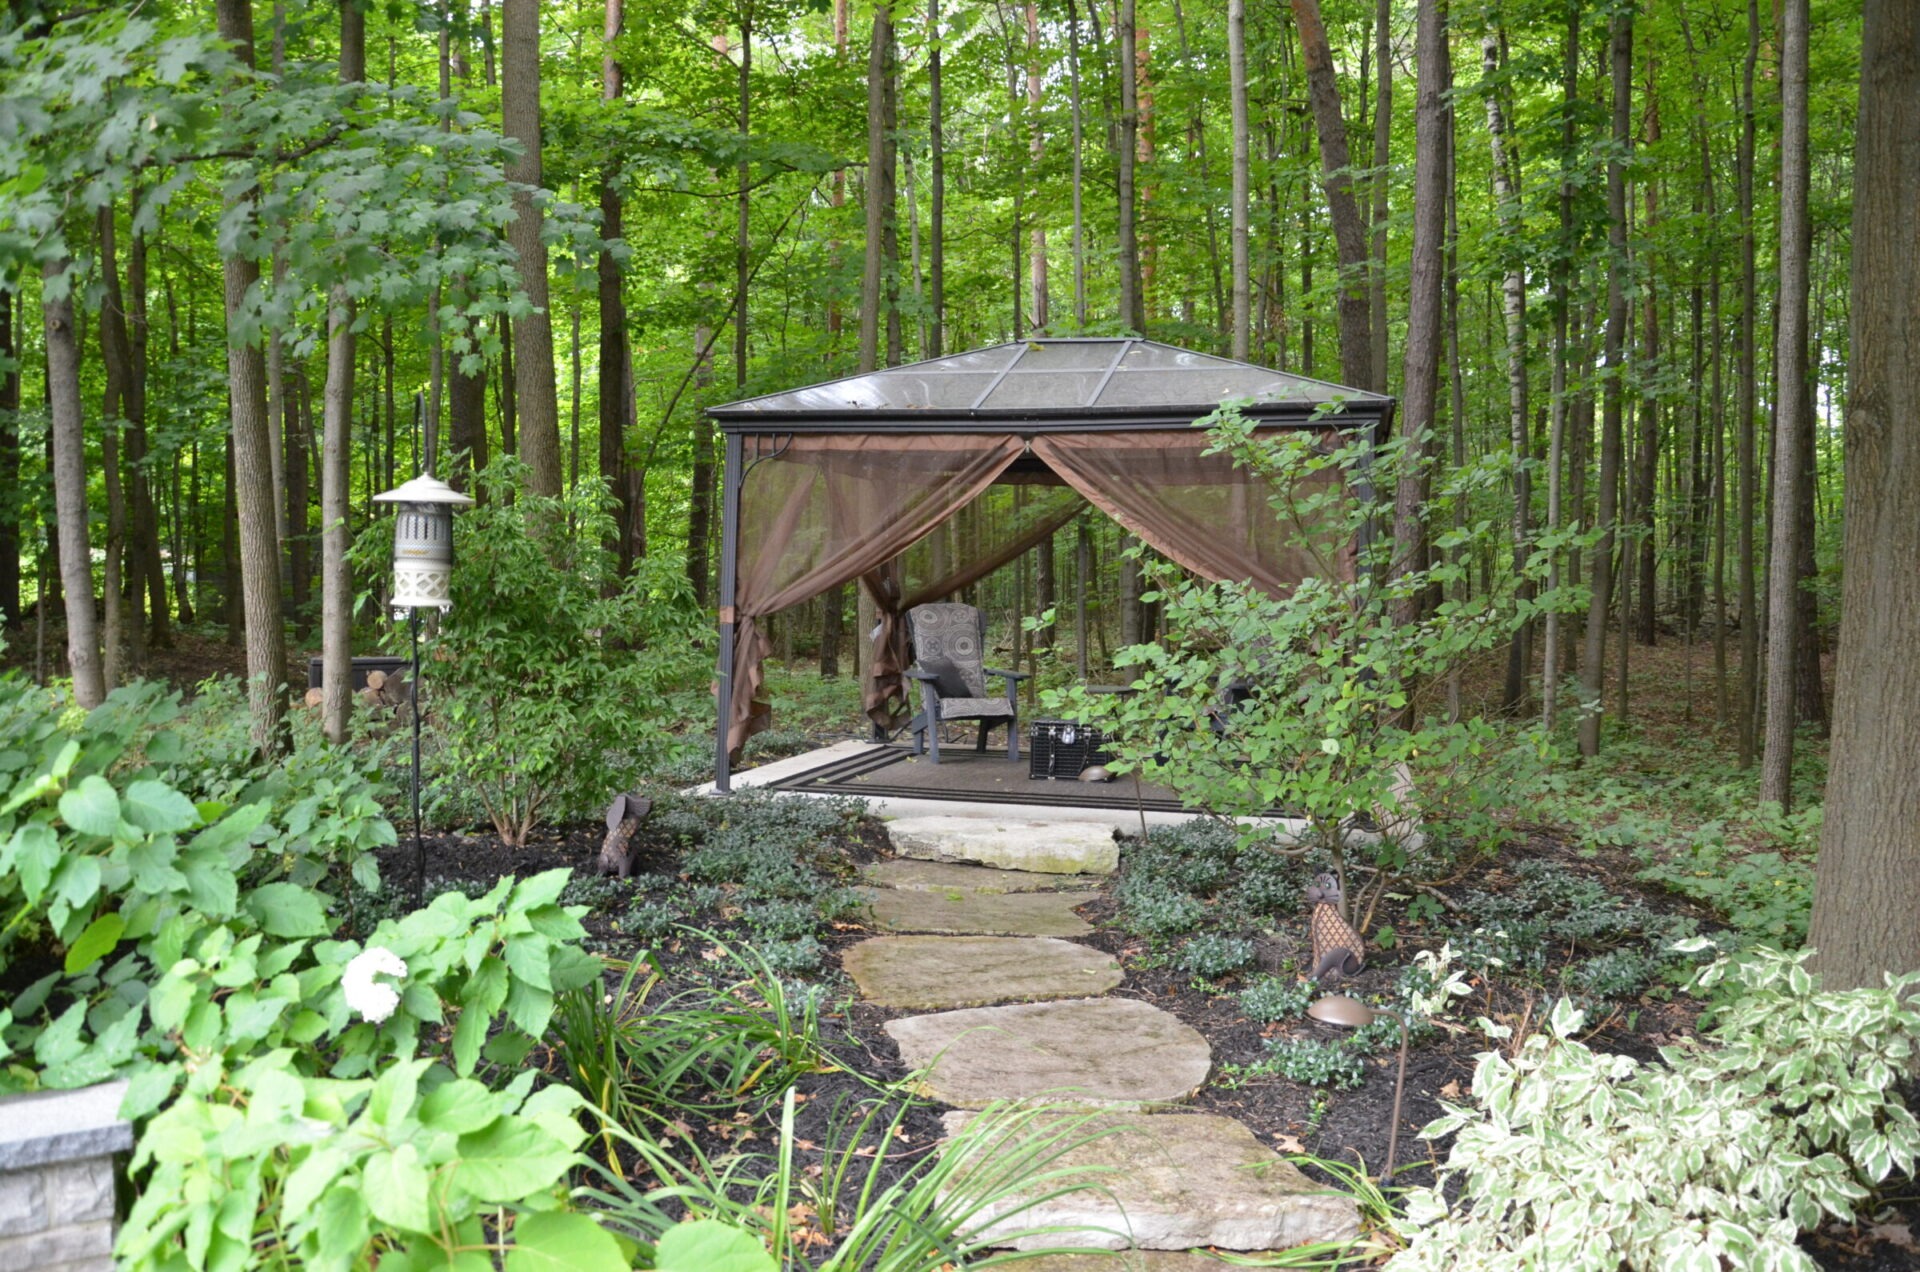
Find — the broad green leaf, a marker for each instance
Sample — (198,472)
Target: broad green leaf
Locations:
(158,809)
(33,851)
(310,1179)
(394,1184)
(563,1242)
(459,1107)
(508,1160)
(95,943)
(285,909)
(709,1245)
(92,807)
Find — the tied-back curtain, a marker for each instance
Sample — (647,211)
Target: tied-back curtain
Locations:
(884,693)
(817,511)
(1198,510)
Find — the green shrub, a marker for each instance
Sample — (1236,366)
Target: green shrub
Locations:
(557,676)
(1765,896)
(781,920)
(1212,955)
(1272,998)
(1153,909)
(1783,1115)
(794,958)
(1303,1060)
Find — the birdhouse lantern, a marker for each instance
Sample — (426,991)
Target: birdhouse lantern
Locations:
(423,542)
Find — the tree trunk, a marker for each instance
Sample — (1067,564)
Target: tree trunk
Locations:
(1647,470)
(253,469)
(1514,310)
(115,359)
(618,410)
(1593,653)
(1133,314)
(145,538)
(12,508)
(1349,232)
(875,285)
(1382,159)
(1079,211)
(1559,282)
(1747,374)
(1791,403)
(1867,889)
(1241,252)
(536,393)
(1425,284)
(336,455)
(743,222)
(70,484)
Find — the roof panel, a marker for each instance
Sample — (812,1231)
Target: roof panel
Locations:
(1106,374)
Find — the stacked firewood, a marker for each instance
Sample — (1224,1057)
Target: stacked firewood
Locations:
(384,690)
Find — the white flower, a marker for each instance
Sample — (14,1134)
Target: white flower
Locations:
(373,999)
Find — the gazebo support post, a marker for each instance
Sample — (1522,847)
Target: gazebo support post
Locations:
(731,477)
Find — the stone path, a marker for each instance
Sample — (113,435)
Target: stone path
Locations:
(986,944)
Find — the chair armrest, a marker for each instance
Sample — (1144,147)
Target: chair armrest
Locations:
(1010,675)
(924,677)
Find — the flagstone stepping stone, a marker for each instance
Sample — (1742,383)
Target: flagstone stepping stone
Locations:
(962,910)
(1174,1181)
(912,875)
(1090,1051)
(1131,1261)
(966,971)
(1044,847)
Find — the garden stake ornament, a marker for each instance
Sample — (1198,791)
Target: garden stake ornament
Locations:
(1338,951)
(624,816)
(422,579)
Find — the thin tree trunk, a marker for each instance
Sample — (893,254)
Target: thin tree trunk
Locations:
(874,284)
(1425,287)
(1382,159)
(146,516)
(1747,374)
(1349,232)
(1079,218)
(1133,314)
(336,456)
(70,484)
(1593,654)
(1647,469)
(115,359)
(1559,285)
(1514,310)
(1867,889)
(535,389)
(12,511)
(1791,403)
(1242,179)
(937,196)
(743,221)
(619,413)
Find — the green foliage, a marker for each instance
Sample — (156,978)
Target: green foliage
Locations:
(558,680)
(1548,905)
(1318,726)
(1765,896)
(1212,955)
(1307,1061)
(1156,910)
(1271,998)
(294,1104)
(1784,1114)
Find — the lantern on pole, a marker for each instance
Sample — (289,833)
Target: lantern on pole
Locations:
(422,579)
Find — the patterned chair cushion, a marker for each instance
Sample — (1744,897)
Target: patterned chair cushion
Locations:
(975,709)
(953,634)
(950,682)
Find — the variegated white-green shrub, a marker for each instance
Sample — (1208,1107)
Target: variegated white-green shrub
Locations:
(1783,1114)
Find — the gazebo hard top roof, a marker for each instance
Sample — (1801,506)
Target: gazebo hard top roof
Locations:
(1119,379)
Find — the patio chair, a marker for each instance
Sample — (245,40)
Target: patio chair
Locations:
(949,643)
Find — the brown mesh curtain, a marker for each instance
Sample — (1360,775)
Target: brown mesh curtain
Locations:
(818,511)
(1198,510)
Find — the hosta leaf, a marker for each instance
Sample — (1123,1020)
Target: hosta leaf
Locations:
(563,1242)
(91,807)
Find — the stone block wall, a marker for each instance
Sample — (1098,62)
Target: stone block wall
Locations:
(57,1179)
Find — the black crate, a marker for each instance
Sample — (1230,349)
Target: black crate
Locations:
(1062,749)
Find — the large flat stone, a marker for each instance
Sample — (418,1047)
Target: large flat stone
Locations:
(1096,1051)
(1173,1181)
(1126,1261)
(61,1126)
(1039,846)
(966,912)
(968,971)
(910,874)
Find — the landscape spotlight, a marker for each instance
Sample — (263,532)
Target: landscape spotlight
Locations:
(1343,1012)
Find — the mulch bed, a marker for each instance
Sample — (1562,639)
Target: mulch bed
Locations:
(1342,1125)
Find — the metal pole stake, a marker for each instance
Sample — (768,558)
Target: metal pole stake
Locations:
(413,696)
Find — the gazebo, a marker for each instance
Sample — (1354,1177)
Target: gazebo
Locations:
(831,483)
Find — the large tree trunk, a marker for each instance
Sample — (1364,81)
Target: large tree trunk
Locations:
(258,529)
(536,393)
(1791,401)
(1425,285)
(70,485)
(1593,653)
(937,196)
(1349,231)
(1867,890)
